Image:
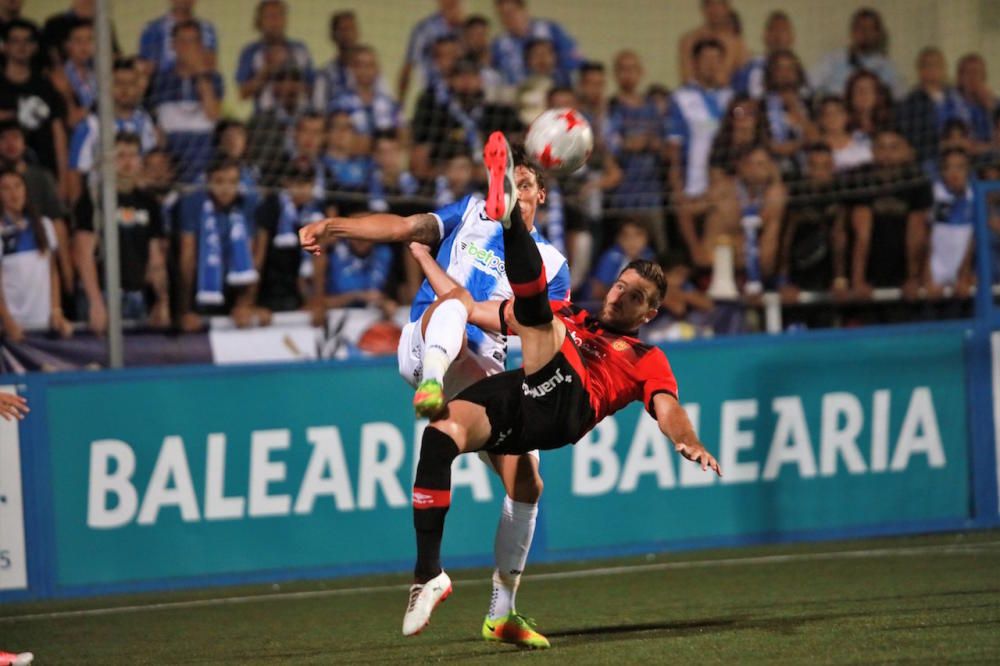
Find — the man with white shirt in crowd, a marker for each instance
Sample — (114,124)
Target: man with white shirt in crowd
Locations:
(868,50)
(696,112)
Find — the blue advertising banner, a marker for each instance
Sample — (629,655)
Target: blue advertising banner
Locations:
(205,474)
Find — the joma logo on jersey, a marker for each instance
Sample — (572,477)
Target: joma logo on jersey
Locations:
(488,258)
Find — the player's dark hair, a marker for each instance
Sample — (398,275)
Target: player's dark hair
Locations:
(650,271)
(708,43)
(29,211)
(521,160)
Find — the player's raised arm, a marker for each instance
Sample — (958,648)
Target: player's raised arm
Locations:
(484,314)
(675,424)
(378,228)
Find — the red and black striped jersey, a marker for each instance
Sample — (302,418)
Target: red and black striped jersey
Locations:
(616,368)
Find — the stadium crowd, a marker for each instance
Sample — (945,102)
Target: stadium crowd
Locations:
(833,179)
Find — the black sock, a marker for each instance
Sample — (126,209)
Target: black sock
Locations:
(431,499)
(526,273)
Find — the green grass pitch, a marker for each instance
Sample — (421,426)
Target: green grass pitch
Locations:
(931,599)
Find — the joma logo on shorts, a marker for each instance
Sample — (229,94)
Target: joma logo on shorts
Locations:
(487,258)
(548,385)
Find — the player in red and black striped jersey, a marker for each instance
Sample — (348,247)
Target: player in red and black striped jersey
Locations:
(577,369)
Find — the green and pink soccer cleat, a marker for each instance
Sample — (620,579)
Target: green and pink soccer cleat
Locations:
(515,629)
(428,401)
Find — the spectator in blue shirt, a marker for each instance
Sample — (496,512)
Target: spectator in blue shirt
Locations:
(635,136)
(187,100)
(335,76)
(519,29)
(448,21)
(357,274)
(156,48)
(260,60)
(869,49)
(371,109)
(216,259)
(346,170)
(922,115)
(631,243)
(972,101)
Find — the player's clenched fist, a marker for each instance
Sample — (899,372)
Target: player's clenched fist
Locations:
(13,406)
(312,237)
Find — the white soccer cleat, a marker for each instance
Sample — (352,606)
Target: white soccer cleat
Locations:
(423,599)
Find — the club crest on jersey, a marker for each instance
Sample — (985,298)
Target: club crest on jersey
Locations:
(619,345)
(488,259)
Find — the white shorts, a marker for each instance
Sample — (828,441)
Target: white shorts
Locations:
(465,371)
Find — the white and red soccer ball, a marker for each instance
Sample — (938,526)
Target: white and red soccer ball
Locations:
(560,140)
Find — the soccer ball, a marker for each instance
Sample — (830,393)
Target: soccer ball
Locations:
(560,140)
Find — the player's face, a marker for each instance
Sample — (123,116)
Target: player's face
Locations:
(529,194)
(627,305)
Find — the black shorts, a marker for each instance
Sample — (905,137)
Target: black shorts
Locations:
(547,409)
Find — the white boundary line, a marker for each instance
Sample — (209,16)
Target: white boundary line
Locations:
(871,553)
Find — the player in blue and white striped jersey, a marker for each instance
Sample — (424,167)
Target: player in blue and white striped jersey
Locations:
(439,344)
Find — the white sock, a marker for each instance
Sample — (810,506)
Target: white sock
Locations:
(443,338)
(513,541)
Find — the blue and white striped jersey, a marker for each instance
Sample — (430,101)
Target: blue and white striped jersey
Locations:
(472,253)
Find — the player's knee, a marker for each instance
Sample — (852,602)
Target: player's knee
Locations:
(462,296)
(528,484)
(437,448)
(533,311)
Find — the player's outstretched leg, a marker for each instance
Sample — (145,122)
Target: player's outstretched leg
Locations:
(501,198)
(431,499)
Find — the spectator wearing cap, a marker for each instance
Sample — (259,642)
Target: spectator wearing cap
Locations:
(868,50)
(457,121)
(141,252)
(289,278)
(519,28)
(156,44)
(447,21)
(28,97)
(371,110)
(259,61)
(187,100)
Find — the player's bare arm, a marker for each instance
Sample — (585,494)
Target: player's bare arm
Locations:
(378,228)
(675,424)
(484,314)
